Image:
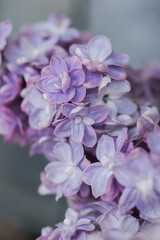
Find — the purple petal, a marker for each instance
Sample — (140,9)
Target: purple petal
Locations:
(77,131)
(121,139)
(75,180)
(61,97)
(63,129)
(79,50)
(63,152)
(105,147)
(79,94)
(56,172)
(58,66)
(98,113)
(117,73)
(90,171)
(125,106)
(77,152)
(67,108)
(48,84)
(128,200)
(153,141)
(99,182)
(99,48)
(149,205)
(77,77)
(92,79)
(118,59)
(46,71)
(73,62)
(90,137)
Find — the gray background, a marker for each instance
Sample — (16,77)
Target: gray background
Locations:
(132,26)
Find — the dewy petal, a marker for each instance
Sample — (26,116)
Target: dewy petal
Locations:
(90,137)
(149,205)
(77,77)
(77,131)
(73,62)
(92,79)
(98,113)
(63,129)
(58,66)
(117,73)
(99,48)
(117,59)
(128,199)
(63,152)
(80,93)
(61,97)
(105,147)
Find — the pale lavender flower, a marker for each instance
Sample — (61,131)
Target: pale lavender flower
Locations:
(65,170)
(140,180)
(43,141)
(121,108)
(27,50)
(40,112)
(58,24)
(79,122)
(63,81)
(72,224)
(98,56)
(100,175)
(114,226)
(10,86)
(5,31)
(149,117)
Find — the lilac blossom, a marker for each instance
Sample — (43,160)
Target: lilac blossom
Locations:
(63,81)
(78,123)
(69,227)
(58,24)
(121,108)
(42,141)
(40,112)
(65,94)
(114,226)
(140,180)
(10,86)
(100,175)
(66,170)
(98,56)
(5,31)
(29,49)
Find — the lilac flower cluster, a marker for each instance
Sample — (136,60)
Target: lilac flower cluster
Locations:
(66,94)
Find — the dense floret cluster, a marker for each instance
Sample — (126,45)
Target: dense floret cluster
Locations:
(67,94)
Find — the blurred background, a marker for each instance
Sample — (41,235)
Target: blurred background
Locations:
(133,28)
